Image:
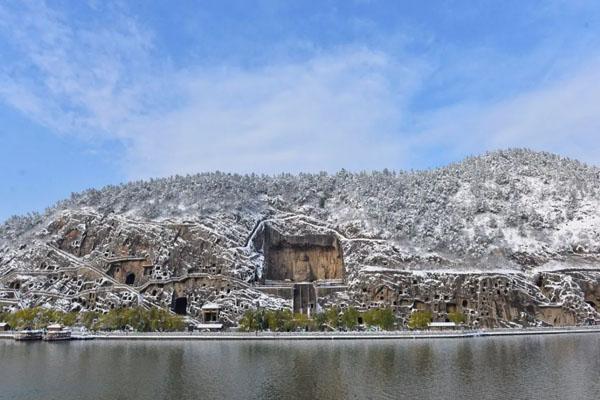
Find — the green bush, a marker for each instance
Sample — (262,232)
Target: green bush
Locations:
(276,321)
(349,319)
(138,319)
(38,317)
(420,319)
(279,320)
(303,323)
(380,317)
(251,321)
(457,317)
(89,319)
(333,318)
(387,319)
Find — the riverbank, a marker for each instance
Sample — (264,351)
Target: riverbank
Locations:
(207,336)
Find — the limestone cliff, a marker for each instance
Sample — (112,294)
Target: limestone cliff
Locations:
(509,238)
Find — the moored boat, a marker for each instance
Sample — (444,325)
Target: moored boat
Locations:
(29,335)
(56,332)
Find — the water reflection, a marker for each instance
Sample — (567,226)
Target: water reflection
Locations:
(551,367)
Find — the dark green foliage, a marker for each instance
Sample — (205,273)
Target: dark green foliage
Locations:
(332,319)
(382,318)
(137,319)
(140,320)
(303,323)
(420,320)
(320,321)
(275,321)
(349,319)
(457,317)
(38,317)
(250,322)
(89,318)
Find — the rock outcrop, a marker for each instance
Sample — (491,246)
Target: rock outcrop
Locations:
(303,258)
(508,239)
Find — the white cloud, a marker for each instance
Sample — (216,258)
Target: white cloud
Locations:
(67,77)
(327,112)
(350,108)
(561,117)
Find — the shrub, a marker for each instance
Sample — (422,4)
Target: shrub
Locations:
(38,317)
(320,321)
(349,319)
(457,317)
(285,321)
(139,319)
(380,317)
(135,318)
(303,323)
(387,320)
(89,319)
(279,320)
(332,317)
(250,321)
(419,319)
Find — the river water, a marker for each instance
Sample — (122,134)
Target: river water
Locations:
(527,367)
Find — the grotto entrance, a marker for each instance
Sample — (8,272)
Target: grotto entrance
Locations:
(180,306)
(130,279)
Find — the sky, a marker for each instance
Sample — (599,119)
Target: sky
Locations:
(102,92)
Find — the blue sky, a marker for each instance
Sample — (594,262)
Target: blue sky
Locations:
(100,92)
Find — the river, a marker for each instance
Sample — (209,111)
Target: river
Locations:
(526,367)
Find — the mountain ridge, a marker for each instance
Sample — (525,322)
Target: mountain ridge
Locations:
(506,212)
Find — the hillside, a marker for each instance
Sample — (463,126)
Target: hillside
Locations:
(522,222)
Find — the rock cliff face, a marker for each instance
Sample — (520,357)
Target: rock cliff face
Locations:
(510,238)
(304,258)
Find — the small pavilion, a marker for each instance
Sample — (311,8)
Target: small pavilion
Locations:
(210,318)
(210,313)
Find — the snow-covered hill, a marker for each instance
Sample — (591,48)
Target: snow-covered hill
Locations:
(516,213)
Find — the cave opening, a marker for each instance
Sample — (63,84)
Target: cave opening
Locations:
(180,306)
(130,279)
(591,303)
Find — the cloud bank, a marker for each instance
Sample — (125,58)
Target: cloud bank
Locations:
(348,107)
